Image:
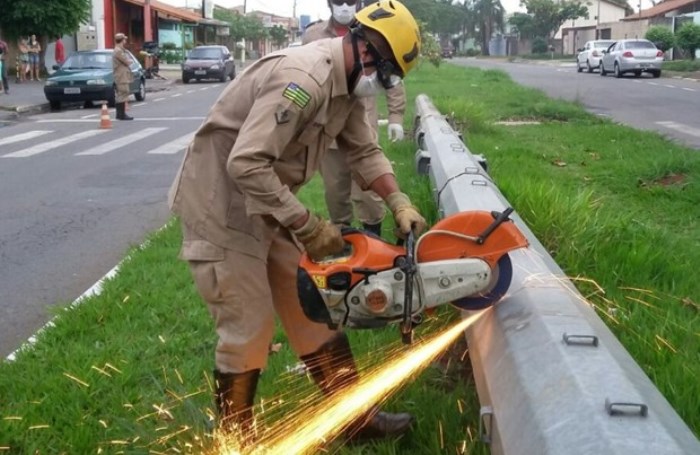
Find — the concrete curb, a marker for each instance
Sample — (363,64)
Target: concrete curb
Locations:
(94,290)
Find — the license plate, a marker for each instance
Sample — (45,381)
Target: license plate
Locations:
(200,72)
(72,91)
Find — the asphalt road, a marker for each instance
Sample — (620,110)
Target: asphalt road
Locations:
(75,198)
(669,106)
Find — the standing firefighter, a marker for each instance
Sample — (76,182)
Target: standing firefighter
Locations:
(121,64)
(243,227)
(341,191)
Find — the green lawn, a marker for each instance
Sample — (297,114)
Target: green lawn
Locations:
(129,371)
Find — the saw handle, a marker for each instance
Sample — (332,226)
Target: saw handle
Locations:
(408,267)
(499,218)
(366,273)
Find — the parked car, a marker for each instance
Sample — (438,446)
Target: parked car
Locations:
(447,52)
(87,76)
(589,56)
(632,56)
(209,62)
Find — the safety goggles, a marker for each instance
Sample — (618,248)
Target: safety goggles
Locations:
(340,2)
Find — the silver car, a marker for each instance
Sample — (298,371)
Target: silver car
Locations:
(632,56)
(589,56)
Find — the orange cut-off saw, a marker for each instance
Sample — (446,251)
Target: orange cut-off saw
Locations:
(463,260)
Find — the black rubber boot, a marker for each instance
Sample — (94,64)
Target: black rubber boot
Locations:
(235,394)
(332,367)
(375,229)
(121,112)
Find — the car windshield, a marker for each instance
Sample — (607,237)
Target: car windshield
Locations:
(88,62)
(640,45)
(602,44)
(205,54)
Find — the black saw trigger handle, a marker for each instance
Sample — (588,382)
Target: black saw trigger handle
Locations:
(499,218)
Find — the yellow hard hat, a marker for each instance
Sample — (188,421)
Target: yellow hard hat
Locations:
(398,27)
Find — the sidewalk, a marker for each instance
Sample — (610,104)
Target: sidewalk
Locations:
(28,97)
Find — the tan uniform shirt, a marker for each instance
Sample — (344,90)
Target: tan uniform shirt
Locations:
(395,97)
(121,65)
(264,138)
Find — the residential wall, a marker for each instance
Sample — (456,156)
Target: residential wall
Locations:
(625,29)
(607,12)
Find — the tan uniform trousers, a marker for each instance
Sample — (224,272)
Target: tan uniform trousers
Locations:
(244,293)
(122,93)
(341,192)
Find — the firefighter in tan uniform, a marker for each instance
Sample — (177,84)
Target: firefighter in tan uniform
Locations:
(243,227)
(341,191)
(121,65)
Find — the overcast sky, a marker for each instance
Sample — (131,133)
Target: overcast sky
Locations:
(318,9)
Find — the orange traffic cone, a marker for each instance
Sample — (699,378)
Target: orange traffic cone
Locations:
(105,121)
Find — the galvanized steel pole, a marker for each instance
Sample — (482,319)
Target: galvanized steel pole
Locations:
(551,377)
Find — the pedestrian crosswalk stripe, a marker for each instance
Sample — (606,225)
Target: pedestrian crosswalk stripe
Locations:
(173,147)
(23,136)
(121,142)
(46,146)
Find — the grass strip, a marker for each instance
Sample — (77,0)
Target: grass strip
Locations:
(128,371)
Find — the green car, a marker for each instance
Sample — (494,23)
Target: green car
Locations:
(87,76)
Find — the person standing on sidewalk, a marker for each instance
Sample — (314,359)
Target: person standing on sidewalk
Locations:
(3,64)
(244,229)
(59,51)
(341,191)
(23,65)
(34,54)
(121,64)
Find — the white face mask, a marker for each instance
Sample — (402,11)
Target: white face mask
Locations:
(368,86)
(344,13)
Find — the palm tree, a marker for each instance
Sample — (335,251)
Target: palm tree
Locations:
(490,16)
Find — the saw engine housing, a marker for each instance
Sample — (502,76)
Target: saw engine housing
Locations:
(365,286)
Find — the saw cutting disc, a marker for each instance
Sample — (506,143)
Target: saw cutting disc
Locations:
(500,282)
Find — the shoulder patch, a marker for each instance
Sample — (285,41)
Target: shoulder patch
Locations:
(297,95)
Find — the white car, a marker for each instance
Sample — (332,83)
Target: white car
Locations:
(589,56)
(632,56)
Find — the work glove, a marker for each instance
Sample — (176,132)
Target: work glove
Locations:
(395,131)
(405,214)
(319,237)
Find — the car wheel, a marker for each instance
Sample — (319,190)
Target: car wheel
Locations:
(185,79)
(55,105)
(616,70)
(578,67)
(223,77)
(589,68)
(141,94)
(602,69)
(656,74)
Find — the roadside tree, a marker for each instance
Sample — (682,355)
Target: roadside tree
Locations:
(661,36)
(688,38)
(548,15)
(45,19)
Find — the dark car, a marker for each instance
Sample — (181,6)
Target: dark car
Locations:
(447,52)
(88,76)
(208,62)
